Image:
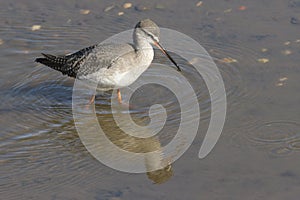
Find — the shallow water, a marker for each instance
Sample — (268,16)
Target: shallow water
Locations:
(257,155)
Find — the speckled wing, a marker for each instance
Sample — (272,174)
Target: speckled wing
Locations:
(103,56)
(88,60)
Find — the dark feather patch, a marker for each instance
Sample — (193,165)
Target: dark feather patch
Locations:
(69,64)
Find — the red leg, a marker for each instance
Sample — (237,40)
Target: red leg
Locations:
(119,97)
(92,100)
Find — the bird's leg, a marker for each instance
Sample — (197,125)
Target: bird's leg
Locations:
(120,100)
(92,99)
(119,96)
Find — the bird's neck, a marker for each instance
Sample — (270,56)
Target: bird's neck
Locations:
(140,43)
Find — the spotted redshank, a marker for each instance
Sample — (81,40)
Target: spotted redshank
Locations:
(111,66)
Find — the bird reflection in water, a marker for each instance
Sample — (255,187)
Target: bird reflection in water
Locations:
(158,167)
(142,145)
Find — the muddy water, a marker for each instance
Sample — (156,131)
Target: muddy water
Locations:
(256,49)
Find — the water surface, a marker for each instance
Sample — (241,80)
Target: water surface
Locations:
(256,49)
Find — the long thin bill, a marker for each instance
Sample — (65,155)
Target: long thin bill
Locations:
(166,53)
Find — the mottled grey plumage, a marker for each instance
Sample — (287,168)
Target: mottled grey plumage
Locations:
(111,65)
(68,64)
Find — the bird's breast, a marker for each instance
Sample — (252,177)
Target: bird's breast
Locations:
(133,68)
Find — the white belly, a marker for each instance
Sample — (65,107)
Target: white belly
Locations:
(124,72)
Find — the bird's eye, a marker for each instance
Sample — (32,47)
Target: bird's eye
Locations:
(148,34)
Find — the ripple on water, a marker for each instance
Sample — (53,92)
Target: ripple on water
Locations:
(39,91)
(167,97)
(242,78)
(46,156)
(294,144)
(241,74)
(280,138)
(274,132)
(40,145)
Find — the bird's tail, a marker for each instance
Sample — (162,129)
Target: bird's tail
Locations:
(68,64)
(55,62)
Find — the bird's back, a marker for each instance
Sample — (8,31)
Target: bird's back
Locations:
(88,60)
(104,56)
